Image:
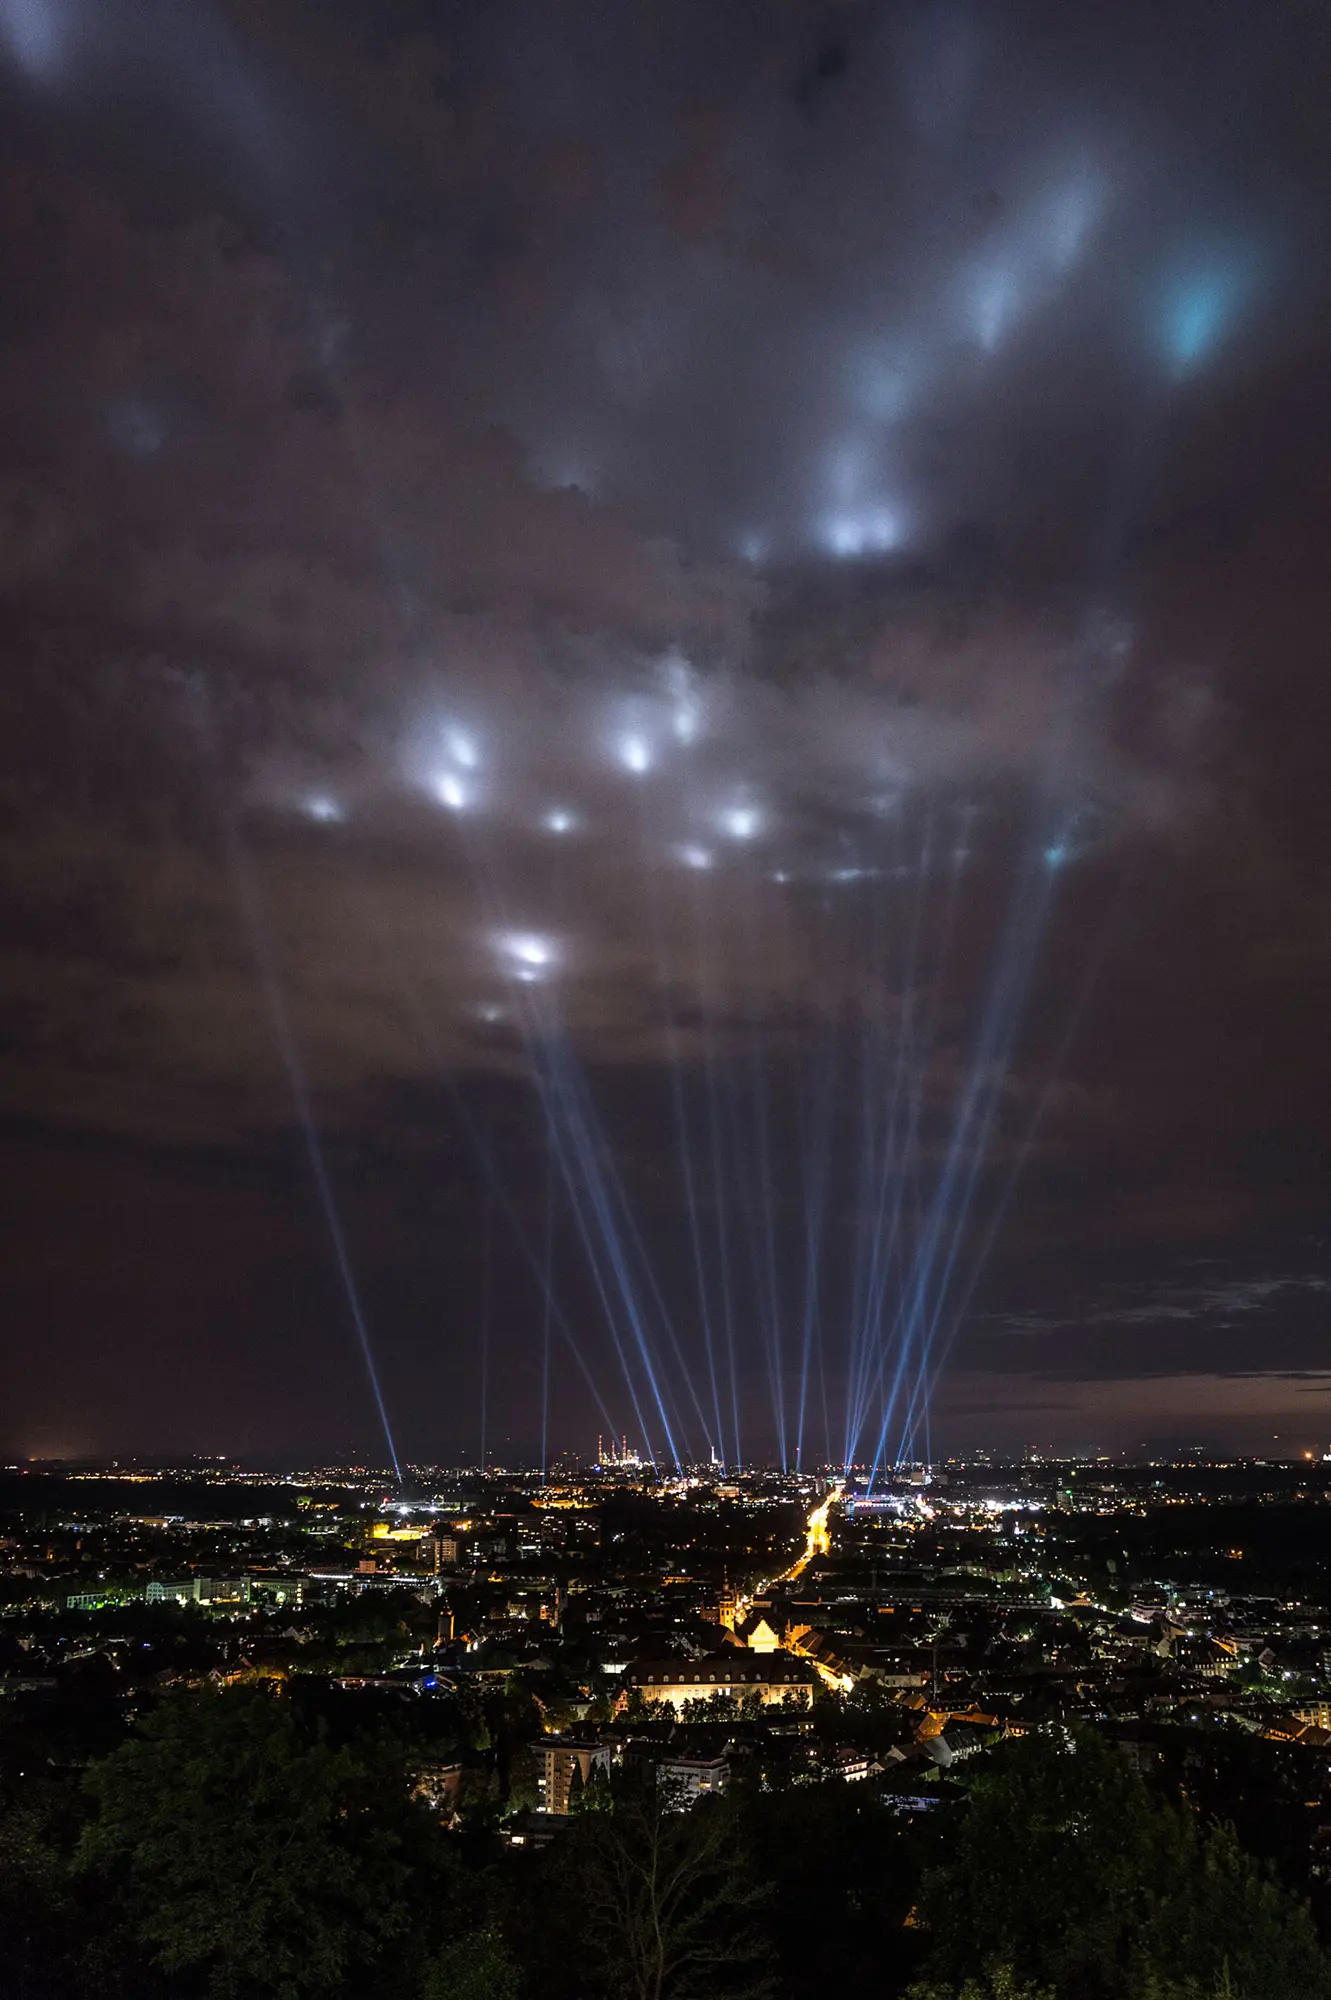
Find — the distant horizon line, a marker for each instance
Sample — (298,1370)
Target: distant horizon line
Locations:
(268,1465)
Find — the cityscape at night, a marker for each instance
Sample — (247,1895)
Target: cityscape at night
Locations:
(665,767)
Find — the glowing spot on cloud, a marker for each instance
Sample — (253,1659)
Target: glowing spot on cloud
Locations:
(1057,854)
(686,715)
(742,822)
(566,469)
(635,754)
(993,306)
(135,427)
(451,792)
(1067,221)
(462,749)
(327,810)
(886,386)
(686,722)
(859,521)
(560,821)
(875,531)
(36,36)
(1199,309)
(526,954)
(695,857)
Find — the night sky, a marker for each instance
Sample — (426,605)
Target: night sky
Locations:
(666,725)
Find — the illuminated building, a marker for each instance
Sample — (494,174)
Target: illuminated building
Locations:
(691,1777)
(851,1764)
(761,1638)
(618,1458)
(561,1758)
(776,1680)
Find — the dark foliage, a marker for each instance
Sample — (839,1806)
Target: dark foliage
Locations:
(1070,1868)
(245,1845)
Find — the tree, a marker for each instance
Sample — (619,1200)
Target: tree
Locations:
(252,1858)
(1067,1867)
(997,1982)
(475,1967)
(594,1794)
(44,1928)
(1229,1927)
(665,1899)
(839,1853)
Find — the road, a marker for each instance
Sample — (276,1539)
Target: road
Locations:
(817,1541)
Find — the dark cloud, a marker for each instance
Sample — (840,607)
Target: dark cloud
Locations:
(903,436)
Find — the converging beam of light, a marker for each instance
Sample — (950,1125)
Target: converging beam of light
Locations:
(261,946)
